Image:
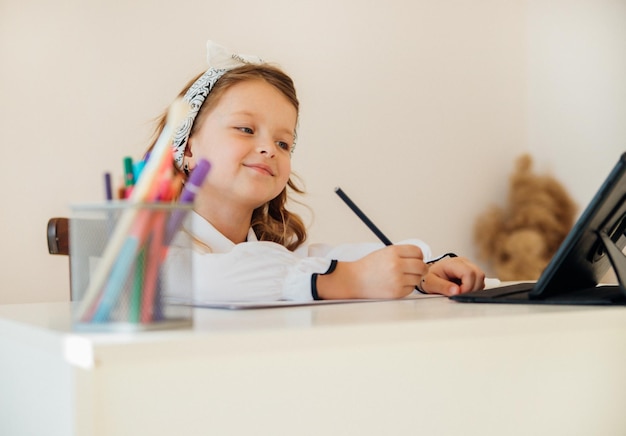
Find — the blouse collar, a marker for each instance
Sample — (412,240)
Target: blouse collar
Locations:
(203,230)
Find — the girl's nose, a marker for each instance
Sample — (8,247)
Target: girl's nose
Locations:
(267,147)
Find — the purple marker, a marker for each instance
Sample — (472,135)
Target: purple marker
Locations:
(108,190)
(195,181)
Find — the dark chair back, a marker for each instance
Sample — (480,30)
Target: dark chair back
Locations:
(59,236)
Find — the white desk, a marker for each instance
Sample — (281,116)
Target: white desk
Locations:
(431,367)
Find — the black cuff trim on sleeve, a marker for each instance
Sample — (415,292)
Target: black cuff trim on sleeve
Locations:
(331,268)
(314,286)
(441,257)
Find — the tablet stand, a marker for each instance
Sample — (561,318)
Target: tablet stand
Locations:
(617,259)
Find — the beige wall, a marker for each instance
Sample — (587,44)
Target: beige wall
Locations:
(416,108)
(577,92)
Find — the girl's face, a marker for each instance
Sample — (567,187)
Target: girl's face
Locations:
(248,138)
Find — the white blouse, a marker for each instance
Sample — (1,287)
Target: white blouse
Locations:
(254,270)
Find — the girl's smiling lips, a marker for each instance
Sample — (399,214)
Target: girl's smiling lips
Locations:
(262,168)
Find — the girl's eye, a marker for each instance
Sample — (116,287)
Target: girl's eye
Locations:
(284,145)
(246,130)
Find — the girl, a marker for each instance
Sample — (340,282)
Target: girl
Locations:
(246,245)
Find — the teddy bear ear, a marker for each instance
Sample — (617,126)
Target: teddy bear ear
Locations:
(524,163)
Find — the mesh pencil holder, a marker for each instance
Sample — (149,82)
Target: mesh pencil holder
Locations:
(129,266)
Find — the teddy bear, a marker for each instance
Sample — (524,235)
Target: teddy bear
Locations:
(519,240)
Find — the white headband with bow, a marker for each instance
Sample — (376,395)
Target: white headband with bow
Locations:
(220,60)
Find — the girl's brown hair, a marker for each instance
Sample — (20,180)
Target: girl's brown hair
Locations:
(271,221)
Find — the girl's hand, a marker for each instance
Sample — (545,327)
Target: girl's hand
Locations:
(452,276)
(391,272)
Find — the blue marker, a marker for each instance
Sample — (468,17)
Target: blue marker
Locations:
(116,281)
(137,169)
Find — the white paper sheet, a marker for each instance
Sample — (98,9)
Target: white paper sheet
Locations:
(239,305)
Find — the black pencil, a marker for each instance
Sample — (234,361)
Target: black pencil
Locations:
(363,217)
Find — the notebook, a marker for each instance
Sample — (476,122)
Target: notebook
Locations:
(593,245)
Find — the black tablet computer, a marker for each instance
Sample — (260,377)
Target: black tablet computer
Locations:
(594,245)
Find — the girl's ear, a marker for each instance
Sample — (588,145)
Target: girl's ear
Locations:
(188,152)
(187,155)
